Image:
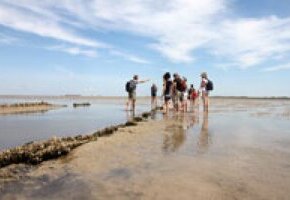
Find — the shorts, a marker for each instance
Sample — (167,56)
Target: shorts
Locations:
(175,98)
(205,92)
(132,95)
(167,97)
(180,96)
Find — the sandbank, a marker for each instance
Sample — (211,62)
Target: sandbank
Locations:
(27,108)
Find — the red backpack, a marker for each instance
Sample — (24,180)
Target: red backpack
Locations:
(194,95)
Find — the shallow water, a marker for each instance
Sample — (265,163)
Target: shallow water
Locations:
(230,153)
(17,129)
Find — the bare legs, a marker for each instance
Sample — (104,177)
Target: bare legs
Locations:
(133,105)
(205,101)
(166,106)
(153,103)
(131,102)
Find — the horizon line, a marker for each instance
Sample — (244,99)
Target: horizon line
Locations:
(141,96)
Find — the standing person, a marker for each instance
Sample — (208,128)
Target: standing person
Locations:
(178,91)
(189,91)
(131,87)
(184,94)
(204,88)
(153,96)
(167,90)
(189,96)
(194,96)
(174,92)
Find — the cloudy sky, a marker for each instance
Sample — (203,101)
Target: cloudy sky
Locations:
(92,47)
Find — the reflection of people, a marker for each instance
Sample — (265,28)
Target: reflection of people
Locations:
(203,141)
(153,114)
(131,89)
(175,134)
(153,96)
(174,137)
(194,120)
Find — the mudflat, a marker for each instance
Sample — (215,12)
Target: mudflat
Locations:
(26,108)
(232,152)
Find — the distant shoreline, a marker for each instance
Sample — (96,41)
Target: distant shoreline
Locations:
(125,97)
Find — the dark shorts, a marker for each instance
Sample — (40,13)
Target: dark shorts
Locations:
(132,95)
(167,97)
(153,95)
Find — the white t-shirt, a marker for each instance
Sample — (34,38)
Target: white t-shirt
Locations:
(203,84)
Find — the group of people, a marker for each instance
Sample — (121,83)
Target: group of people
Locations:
(176,93)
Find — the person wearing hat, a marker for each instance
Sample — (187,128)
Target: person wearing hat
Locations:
(204,91)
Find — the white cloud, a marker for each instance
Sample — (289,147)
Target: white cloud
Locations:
(73,50)
(278,68)
(250,42)
(178,28)
(40,25)
(129,57)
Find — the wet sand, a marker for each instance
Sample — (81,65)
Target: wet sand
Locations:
(27,108)
(231,153)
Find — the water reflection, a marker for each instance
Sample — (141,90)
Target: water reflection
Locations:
(153,114)
(175,133)
(174,137)
(129,115)
(204,136)
(181,124)
(20,128)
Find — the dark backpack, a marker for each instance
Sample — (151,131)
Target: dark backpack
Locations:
(130,86)
(180,85)
(127,87)
(183,86)
(209,85)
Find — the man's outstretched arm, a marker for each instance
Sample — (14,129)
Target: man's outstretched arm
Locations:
(144,81)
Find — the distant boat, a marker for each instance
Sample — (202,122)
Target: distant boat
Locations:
(81,104)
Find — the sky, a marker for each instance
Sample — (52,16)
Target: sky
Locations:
(93,47)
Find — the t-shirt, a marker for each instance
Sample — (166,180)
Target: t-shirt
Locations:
(203,84)
(134,85)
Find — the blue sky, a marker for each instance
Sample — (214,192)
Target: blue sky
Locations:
(92,47)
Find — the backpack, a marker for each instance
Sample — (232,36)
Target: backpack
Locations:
(130,86)
(194,95)
(209,85)
(183,86)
